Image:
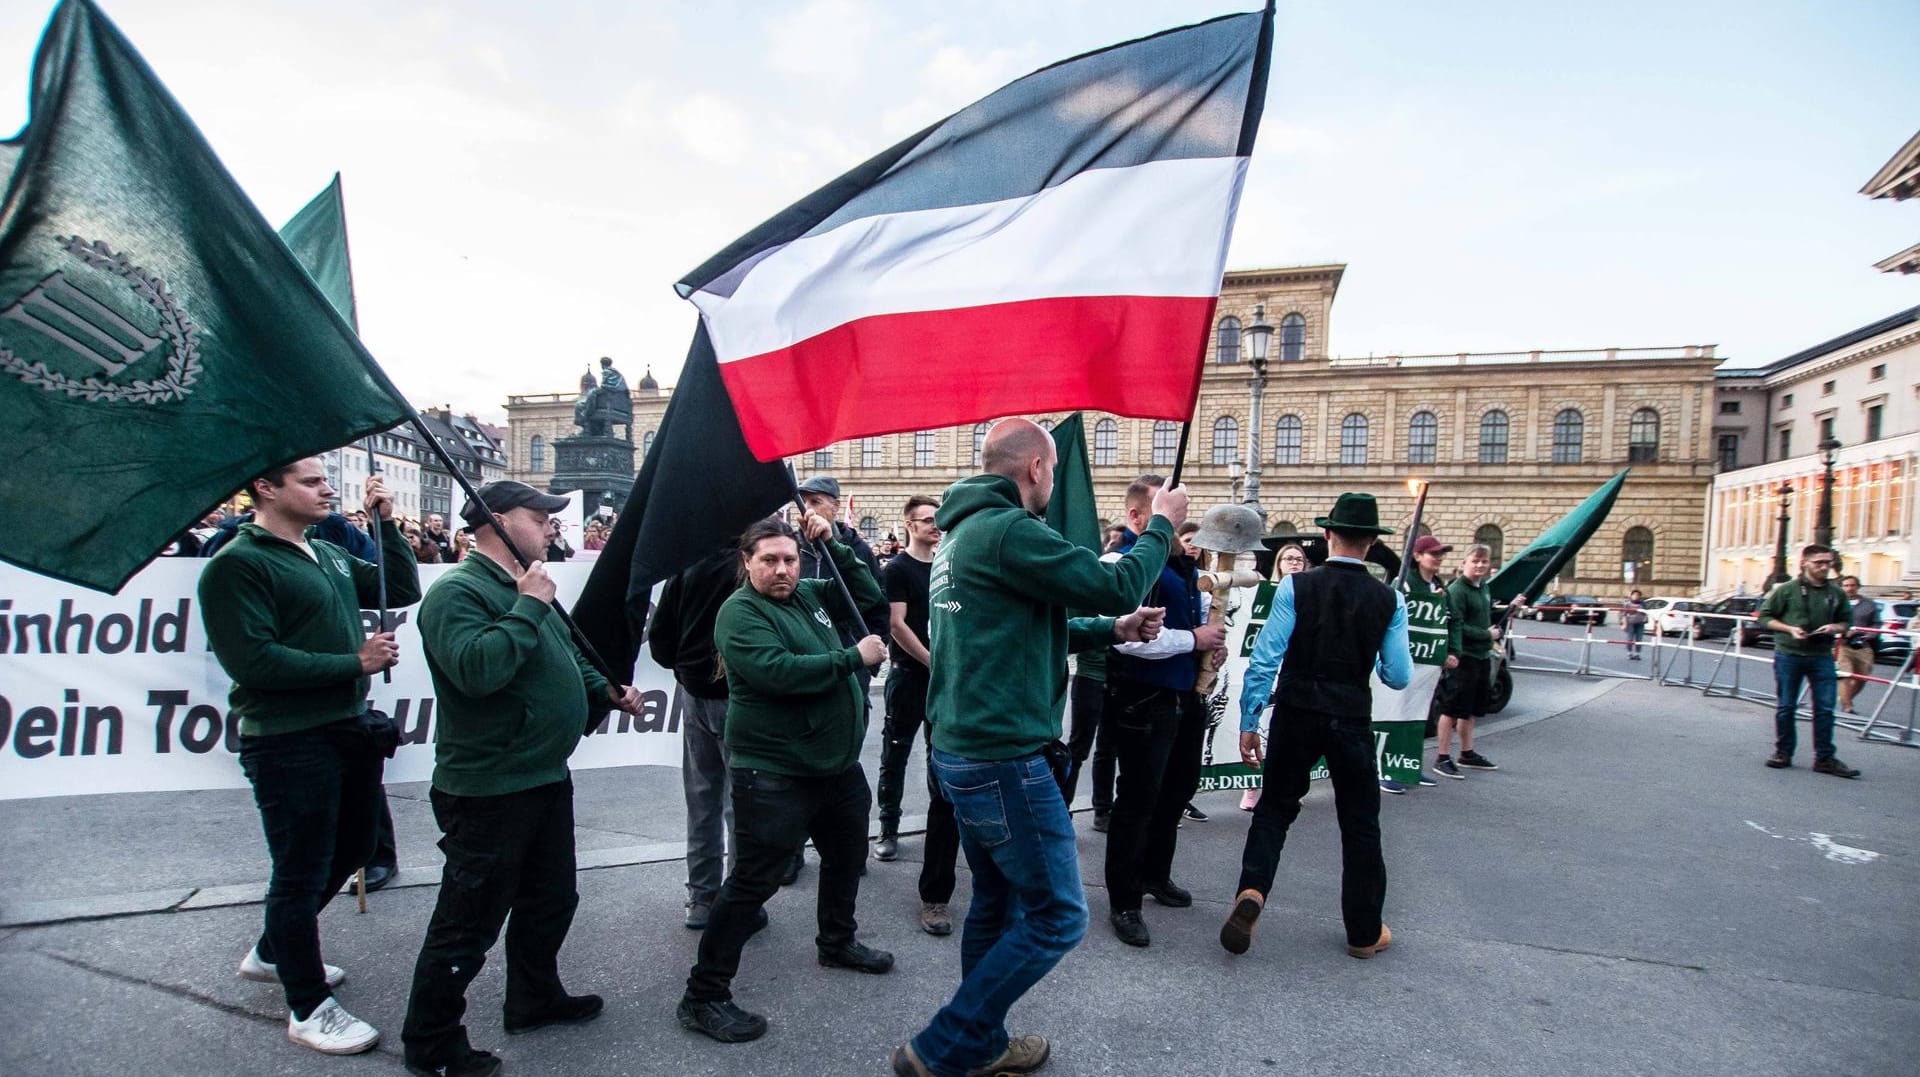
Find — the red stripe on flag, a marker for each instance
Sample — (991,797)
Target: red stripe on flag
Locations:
(1138,356)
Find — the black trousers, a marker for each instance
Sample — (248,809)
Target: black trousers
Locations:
(1297,740)
(1088,734)
(906,695)
(773,814)
(942,852)
(1157,734)
(509,854)
(385,853)
(318,791)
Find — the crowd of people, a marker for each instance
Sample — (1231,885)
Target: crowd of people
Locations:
(773,642)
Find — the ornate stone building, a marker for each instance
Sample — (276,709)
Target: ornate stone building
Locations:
(1510,441)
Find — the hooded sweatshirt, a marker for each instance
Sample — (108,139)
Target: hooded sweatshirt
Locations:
(1001,587)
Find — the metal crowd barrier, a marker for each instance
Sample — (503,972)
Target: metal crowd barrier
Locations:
(1722,671)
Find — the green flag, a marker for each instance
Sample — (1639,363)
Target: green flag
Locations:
(1071,512)
(317,236)
(159,344)
(1530,569)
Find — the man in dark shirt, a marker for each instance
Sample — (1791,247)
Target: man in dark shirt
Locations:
(1806,614)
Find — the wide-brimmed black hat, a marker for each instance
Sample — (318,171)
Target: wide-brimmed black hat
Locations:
(1354,512)
(507,494)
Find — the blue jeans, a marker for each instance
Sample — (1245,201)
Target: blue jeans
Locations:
(1789,671)
(1028,906)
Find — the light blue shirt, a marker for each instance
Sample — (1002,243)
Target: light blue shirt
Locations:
(1395,663)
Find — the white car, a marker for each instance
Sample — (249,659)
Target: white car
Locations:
(1672,615)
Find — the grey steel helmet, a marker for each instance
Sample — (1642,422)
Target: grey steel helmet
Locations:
(1230,529)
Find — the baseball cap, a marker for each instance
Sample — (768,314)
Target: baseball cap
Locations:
(1429,544)
(507,494)
(822,484)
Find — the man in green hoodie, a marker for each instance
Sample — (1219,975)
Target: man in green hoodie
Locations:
(1000,590)
(514,697)
(796,717)
(283,617)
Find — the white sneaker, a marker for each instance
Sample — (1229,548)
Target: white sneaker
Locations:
(252,968)
(330,1029)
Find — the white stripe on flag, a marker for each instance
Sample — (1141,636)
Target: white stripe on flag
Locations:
(1157,229)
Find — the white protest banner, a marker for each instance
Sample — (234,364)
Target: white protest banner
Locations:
(119,693)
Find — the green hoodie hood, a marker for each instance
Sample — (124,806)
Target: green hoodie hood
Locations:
(1001,586)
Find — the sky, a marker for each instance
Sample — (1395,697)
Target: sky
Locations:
(525,182)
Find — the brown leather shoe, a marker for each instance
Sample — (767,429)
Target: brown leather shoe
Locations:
(1832,765)
(1386,940)
(1779,760)
(1237,933)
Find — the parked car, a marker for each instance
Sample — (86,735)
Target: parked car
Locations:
(1676,617)
(1663,618)
(1584,609)
(1895,641)
(1743,607)
(1547,609)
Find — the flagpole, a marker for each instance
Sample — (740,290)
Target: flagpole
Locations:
(379,556)
(825,556)
(1180,454)
(1413,532)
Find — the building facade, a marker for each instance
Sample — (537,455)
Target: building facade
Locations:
(1861,390)
(1509,441)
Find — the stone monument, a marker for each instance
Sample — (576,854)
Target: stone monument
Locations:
(596,460)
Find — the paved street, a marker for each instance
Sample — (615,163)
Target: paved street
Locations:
(1631,893)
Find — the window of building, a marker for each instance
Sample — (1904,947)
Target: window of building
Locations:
(1286,440)
(1786,442)
(646,444)
(1826,388)
(1353,439)
(869,529)
(1166,442)
(1293,338)
(1226,439)
(1643,437)
(1228,350)
(823,459)
(1826,430)
(1786,400)
(1493,437)
(1729,407)
(1637,550)
(980,441)
(1106,442)
(1875,415)
(1569,436)
(1423,438)
(870,452)
(1489,535)
(1729,451)
(1877,372)
(923,448)
(537,454)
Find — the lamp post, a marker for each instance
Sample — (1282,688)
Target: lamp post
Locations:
(1823,520)
(1258,335)
(1780,541)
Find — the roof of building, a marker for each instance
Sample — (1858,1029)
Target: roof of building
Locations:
(1907,261)
(1844,340)
(1899,178)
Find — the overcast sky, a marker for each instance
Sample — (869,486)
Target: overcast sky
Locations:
(525,182)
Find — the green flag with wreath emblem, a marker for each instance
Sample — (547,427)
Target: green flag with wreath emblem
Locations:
(159,344)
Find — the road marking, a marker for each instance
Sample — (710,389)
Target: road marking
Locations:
(1834,851)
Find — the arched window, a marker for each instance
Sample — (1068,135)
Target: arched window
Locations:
(869,529)
(1106,442)
(537,454)
(1286,527)
(1636,551)
(823,459)
(1286,440)
(870,451)
(1226,439)
(923,448)
(1353,439)
(980,441)
(1489,536)
(646,444)
(1166,442)
(1229,340)
(1293,338)
(1643,437)
(1423,438)
(1493,437)
(1569,436)
(1047,425)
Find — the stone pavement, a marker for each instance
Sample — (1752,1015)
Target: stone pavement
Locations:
(1631,893)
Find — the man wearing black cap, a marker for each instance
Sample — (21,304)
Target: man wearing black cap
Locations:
(514,697)
(1330,629)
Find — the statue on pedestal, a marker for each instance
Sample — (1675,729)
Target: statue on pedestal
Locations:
(604,403)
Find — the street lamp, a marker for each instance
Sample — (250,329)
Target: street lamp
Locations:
(1258,335)
(1780,541)
(1823,521)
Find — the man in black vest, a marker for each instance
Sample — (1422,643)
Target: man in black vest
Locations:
(1330,628)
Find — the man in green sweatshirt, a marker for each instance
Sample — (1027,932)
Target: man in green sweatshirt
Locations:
(796,716)
(1000,590)
(514,697)
(283,617)
(1466,689)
